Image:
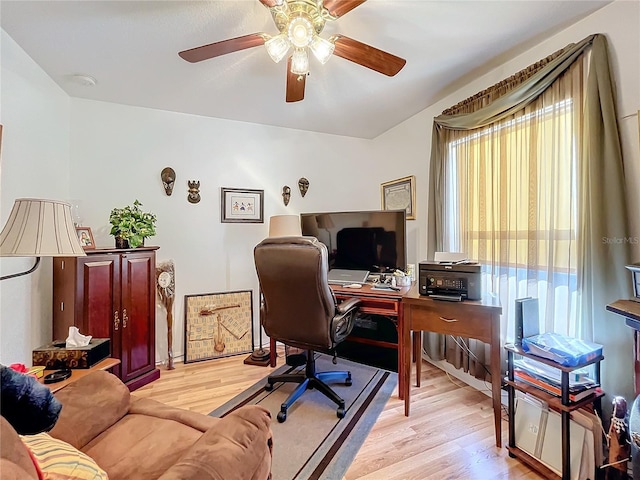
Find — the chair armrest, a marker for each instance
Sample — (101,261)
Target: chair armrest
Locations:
(348,304)
(239,446)
(89,407)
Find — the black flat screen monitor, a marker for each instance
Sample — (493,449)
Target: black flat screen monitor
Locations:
(367,240)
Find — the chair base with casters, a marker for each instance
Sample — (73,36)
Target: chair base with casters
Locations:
(310,380)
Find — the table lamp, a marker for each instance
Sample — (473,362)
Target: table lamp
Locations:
(279,226)
(39,228)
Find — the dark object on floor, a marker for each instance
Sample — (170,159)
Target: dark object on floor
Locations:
(28,406)
(294,357)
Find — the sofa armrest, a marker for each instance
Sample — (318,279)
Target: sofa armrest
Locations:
(239,447)
(89,407)
(153,408)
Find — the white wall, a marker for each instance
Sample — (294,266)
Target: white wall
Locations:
(619,22)
(35,163)
(118,153)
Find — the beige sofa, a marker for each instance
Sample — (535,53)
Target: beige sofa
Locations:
(137,438)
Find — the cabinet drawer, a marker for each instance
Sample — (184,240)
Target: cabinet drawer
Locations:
(452,319)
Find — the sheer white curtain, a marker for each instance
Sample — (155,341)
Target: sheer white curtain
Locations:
(510,203)
(528,178)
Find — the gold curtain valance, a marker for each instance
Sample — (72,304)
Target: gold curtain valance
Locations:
(485,97)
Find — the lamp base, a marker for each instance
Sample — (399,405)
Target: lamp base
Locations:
(259,357)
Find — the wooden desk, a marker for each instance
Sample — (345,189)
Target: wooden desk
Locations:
(78,373)
(472,319)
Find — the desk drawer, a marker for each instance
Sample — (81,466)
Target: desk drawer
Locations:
(452,319)
(377,306)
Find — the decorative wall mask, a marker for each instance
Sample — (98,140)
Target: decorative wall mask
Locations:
(194,191)
(303,185)
(286,194)
(168,176)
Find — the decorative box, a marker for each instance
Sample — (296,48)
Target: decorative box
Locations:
(635,276)
(56,355)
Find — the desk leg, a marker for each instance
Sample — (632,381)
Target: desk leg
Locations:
(401,348)
(405,342)
(417,352)
(496,380)
(273,355)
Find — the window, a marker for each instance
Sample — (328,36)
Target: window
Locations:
(511,203)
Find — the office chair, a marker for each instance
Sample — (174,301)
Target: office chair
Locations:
(300,310)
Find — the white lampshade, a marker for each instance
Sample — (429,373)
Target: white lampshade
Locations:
(40,228)
(285,226)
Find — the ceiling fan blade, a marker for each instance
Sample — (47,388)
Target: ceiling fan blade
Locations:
(216,49)
(337,8)
(367,56)
(295,85)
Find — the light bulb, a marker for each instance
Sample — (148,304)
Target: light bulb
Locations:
(300,31)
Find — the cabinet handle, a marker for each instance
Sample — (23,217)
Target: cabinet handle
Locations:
(448,320)
(124,318)
(116,321)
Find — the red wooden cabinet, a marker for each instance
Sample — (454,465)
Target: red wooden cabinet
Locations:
(111,294)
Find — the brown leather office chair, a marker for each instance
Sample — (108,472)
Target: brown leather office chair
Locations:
(300,310)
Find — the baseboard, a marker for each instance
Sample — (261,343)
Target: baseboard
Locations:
(470,380)
(142,380)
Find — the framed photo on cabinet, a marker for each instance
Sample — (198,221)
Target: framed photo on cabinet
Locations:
(217,325)
(239,205)
(400,194)
(85,236)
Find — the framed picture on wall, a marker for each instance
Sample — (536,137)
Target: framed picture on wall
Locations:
(85,236)
(400,194)
(239,205)
(217,325)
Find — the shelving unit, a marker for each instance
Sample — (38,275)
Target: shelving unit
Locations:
(561,404)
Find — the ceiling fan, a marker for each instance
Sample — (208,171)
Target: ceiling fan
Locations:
(300,23)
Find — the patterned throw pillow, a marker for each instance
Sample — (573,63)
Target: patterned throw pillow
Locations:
(57,460)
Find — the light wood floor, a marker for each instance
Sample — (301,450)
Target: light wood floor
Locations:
(449,434)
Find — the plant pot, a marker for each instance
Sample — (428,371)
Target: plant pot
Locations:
(122,242)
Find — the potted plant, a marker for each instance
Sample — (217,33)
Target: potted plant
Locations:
(130,225)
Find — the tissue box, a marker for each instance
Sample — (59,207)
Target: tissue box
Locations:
(56,355)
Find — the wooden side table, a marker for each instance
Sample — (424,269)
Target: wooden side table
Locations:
(78,373)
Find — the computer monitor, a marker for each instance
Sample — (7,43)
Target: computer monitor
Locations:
(365,240)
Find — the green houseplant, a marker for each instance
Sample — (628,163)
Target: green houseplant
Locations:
(130,224)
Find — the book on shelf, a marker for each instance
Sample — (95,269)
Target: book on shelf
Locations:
(547,373)
(576,393)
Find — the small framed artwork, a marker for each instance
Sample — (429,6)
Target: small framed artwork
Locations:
(217,325)
(85,236)
(400,194)
(239,205)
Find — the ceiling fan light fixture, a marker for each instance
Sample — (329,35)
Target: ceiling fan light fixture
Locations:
(278,47)
(300,31)
(300,62)
(322,49)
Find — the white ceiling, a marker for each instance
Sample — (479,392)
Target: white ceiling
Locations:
(131,48)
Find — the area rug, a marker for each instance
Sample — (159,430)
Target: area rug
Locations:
(313,443)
